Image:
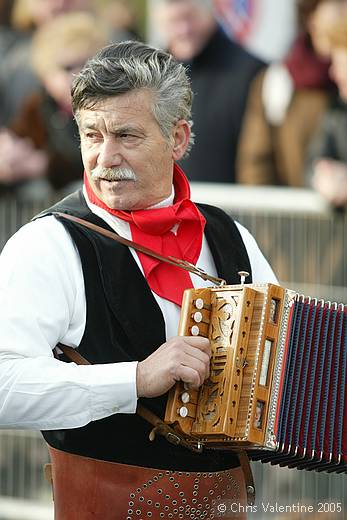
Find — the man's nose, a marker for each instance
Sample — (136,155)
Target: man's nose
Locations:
(109,155)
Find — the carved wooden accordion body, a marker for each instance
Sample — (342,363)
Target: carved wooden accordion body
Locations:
(277,384)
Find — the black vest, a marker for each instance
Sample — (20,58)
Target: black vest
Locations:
(124,323)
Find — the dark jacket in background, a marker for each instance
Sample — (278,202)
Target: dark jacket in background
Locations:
(331,137)
(220,76)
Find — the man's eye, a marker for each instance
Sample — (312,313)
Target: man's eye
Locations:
(91,135)
(128,137)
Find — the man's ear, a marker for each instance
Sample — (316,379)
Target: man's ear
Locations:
(181,135)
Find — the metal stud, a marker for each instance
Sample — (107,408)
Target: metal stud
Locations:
(243,275)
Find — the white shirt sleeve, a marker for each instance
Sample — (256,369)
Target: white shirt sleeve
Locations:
(42,303)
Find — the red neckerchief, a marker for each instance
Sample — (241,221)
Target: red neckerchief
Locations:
(152,229)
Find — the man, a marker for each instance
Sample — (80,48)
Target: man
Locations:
(221,72)
(327,157)
(63,283)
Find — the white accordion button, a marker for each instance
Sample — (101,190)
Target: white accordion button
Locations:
(185,397)
(199,304)
(195,330)
(183,411)
(197,317)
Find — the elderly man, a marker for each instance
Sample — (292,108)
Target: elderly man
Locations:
(221,72)
(63,283)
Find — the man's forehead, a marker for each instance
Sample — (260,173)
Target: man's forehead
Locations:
(93,118)
(118,111)
(139,99)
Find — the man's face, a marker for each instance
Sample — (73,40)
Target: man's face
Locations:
(338,70)
(187,28)
(121,133)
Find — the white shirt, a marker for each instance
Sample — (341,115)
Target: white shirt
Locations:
(42,303)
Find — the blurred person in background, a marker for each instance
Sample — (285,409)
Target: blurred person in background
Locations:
(121,15)
(327,156)
(43,142)
(8,35)
(221,72)
(17,78)
(287,100)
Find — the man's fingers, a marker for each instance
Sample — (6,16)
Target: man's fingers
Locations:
(200,366)
(189,376)
(197,342)
(181,358)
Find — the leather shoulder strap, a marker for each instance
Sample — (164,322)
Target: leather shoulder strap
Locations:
(129,243)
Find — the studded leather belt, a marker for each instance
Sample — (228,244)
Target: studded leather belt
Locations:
(90,489)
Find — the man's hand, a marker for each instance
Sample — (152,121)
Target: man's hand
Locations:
(330,180)
(20,160)
(184,359)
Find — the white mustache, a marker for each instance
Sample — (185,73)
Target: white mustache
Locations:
(113,174)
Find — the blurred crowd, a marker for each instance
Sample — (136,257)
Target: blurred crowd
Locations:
(279,123)
(42,44)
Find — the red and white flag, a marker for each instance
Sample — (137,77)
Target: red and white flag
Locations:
(264,27)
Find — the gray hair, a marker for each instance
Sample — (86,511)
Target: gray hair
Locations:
(122,67)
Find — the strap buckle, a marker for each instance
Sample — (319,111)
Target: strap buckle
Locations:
(174,437)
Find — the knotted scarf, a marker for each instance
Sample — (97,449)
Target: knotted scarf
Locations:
(175,230)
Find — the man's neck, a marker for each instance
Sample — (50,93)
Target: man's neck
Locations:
(166,202)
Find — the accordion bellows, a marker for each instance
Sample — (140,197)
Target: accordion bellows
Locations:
(277,384)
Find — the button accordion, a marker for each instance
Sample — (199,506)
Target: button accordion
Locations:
(277,384)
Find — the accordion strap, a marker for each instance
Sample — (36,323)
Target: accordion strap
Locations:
(129,243)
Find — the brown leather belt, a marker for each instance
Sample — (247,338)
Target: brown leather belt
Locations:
(90,489)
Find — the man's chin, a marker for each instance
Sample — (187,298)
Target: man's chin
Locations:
(116,201)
